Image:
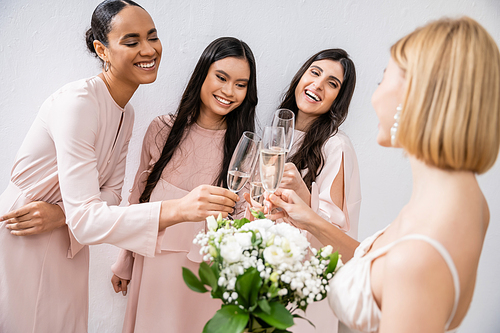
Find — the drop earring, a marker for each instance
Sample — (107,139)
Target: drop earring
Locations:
(106,66)
(394,128)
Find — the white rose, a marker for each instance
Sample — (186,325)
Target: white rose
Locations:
(274,255)
(244,239)
(263,225)
(231,250)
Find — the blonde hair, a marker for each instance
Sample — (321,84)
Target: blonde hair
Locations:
(451,110)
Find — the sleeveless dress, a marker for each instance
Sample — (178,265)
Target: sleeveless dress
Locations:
(158,298)
(351,297)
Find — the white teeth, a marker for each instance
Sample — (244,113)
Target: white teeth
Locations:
(222,100)
(146,65)
(312,95)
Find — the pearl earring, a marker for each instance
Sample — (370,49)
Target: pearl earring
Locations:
(394,128)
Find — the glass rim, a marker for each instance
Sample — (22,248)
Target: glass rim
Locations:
(252,136)
(290,112)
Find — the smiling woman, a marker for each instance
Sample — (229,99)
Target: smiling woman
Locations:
(73,158)
(180,153)
(322,167)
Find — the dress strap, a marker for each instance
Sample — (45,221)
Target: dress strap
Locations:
(449,261)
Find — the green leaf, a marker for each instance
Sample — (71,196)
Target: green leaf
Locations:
(279,316)
(216,292)
(215,268)
(299,316)
(230,318)
(239,223)
(254,292)
(264,306)
(334,258)
(207,276)
(192,281)
(245,283)
(255,241)
(257,214)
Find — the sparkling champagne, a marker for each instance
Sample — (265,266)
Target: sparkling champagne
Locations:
(236,180)
(272,163)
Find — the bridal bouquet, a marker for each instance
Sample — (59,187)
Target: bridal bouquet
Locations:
(260,272)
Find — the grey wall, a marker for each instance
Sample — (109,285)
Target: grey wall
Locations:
(42,48)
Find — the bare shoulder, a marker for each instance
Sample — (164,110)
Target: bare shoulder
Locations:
(417,282)
(414,257)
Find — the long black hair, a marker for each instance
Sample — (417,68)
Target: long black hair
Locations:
(239,120)
(100,24)
(310,155)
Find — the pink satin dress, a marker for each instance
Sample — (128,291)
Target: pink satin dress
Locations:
(158,298)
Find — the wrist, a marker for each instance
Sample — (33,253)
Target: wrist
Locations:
(169,213)
(305,196)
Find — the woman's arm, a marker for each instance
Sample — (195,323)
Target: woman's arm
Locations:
(302,216)
(38,217)
(74,126)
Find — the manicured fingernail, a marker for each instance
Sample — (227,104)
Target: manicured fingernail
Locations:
(124,292)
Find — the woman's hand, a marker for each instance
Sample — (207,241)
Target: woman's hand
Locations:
(119,284)
(203,201)
(207,200)
(252,204)
(295,210)
(292,180)
(34,218)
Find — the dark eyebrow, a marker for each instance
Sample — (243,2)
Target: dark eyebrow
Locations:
(224,73)
(136,35)
(331,76)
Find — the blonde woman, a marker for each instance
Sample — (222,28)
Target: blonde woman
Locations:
(439,101)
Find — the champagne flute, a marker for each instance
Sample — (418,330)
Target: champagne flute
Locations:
(286,119)
(256,188)
(272,158)
(243,161)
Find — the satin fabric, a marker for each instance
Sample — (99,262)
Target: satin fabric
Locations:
(351,297)
(74,156)
(158,298)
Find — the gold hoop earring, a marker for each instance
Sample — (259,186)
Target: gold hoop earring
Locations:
(106,66)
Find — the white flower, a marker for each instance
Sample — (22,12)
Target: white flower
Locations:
(231,250)
(327,250)
(274,255)
(222,281)
(285,245)
(261,225)
(211,223)
(244,239)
